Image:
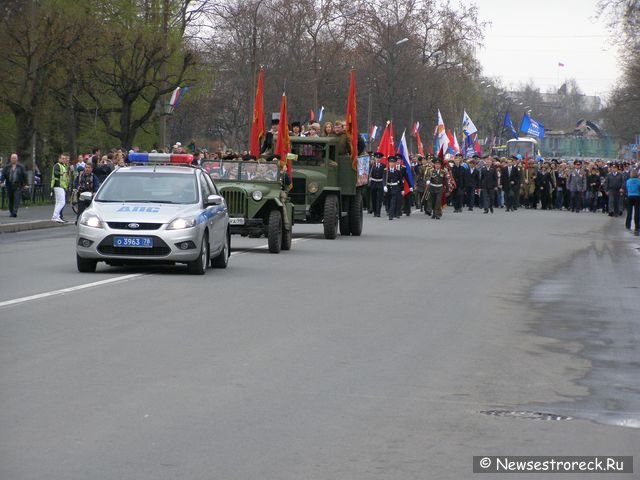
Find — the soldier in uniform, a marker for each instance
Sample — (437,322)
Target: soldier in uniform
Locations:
(393,187)
(530,173)
(436,182)
(376,183)
(418,175)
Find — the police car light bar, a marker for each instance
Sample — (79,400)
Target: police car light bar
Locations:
(174,158)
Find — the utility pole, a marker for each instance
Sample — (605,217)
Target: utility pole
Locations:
(163,73)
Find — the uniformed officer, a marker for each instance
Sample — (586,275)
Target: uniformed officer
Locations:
(393,187)
(376,183)
(436,182)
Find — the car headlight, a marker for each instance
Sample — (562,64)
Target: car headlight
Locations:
(313,187)
(89,219)
(256,195)
(182,223)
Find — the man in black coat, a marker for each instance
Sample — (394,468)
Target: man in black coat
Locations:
(459,175)
(376,183)
(510,184)
(15,179)
(472,182)
(489,185)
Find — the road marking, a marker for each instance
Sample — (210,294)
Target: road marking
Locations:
(62,291)
(70,289)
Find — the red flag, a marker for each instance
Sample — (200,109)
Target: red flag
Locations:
(352,120)
(312,115)
(416,133)
(526,160)
(386,146)
(257,124)
(283,144)
(450,137)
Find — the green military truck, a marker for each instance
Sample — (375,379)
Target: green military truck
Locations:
(325,187)
(256,201)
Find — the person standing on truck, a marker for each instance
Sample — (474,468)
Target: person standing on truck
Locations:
(344,142)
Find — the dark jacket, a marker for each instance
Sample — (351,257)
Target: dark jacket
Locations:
(20,179)
(472,179)
(459,175)
(614,182)
(507,179)
(489,178)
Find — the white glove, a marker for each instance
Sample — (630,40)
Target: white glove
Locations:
(428,182)
(411,189)
(385,189)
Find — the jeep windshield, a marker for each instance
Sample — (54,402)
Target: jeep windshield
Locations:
(149,187)
(243,171)
(309,154)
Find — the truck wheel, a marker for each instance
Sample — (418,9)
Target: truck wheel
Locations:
(222,259)
(286,239)
(86,265)
(274,231)
(330,214)
(345,227)
(200,264)
(355,215)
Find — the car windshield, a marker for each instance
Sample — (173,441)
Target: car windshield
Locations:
(246,171)
(309,154)
(149,187)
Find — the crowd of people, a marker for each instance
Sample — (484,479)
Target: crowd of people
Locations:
(513,183)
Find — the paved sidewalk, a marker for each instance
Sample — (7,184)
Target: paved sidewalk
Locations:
(33,218)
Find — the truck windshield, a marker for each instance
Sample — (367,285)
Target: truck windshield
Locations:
(245,171)
(309,154)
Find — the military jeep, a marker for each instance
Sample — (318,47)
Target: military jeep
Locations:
(324,187)
(256,201)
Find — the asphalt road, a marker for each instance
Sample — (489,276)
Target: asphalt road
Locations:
(358,358)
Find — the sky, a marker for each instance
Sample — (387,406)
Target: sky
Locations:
(525,43)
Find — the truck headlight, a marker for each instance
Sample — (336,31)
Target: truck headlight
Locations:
(182,223)
(91,220)
(256,195)
(313,187)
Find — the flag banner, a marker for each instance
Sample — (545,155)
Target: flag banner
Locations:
(440,139)
(257,125)
(183,91)
(352,120)
(320,113)
(174,96)
(468,128)
(509,124)
(531,127)
(403,151)
(312,115)
(373,133)
(456,145)
(419,143)
(283,143)
(416,128)
(386,146)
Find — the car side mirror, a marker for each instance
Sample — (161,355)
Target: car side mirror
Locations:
(86,196)
(213,200)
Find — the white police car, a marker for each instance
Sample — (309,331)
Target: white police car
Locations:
(156,212)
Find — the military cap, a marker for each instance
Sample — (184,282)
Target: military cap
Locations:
(378,155)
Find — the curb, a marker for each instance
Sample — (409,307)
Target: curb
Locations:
(33,225)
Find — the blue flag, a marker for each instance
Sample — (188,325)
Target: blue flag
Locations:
(531,127)
(509,124)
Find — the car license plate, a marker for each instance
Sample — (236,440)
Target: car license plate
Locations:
(236,221)
(137,242)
